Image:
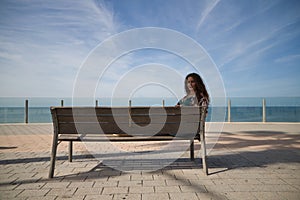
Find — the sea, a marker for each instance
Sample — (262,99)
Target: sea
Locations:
(242,109)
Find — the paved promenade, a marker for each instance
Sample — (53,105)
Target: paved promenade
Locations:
(249,161)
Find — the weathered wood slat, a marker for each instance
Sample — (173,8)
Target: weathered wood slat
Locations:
(125,110)
(115,138)
(136,119)
(95,128)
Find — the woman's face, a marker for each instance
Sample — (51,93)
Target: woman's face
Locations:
(191,84)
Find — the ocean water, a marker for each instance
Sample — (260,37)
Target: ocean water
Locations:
(278,109)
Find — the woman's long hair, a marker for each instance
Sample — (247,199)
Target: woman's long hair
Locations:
(200,87)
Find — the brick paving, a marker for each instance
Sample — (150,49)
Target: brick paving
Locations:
(249,161)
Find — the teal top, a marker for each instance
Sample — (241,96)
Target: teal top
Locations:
(191,100)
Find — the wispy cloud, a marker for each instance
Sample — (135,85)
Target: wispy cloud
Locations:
(288,58)
(251,46)
(211,5)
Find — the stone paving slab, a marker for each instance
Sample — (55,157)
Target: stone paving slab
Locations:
(249,161)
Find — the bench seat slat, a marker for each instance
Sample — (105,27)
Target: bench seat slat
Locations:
(115,138)
(94,128)
(136,119)
(124,110)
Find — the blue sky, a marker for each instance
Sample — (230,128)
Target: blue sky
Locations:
(254,44)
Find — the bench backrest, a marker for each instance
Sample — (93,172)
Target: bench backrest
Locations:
(146,121)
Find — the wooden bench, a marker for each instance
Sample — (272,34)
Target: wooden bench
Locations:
(124,124)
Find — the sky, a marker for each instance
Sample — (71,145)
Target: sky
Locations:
(255,45)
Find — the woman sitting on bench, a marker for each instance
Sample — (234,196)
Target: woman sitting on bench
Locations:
(196,93)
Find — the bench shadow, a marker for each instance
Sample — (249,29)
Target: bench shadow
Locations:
(275,139)
(256,149)
(216,163)
(252,149)
(112,167)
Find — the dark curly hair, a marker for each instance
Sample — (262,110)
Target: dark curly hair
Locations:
(200,87)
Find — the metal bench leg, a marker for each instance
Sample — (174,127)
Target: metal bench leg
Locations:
(70,151)
(203,152)
(53,156)
(192,149)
